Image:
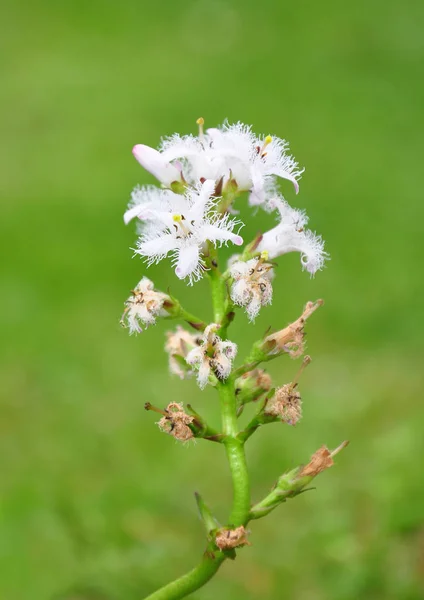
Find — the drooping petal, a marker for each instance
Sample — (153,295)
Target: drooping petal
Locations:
(203,374)
(188,261)
(156,164)
(287,175)
(158,246)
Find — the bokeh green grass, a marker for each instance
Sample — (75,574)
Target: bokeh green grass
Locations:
(95,502)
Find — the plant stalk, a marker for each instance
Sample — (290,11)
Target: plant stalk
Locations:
(191,581)
(234,447)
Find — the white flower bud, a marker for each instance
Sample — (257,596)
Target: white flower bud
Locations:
(143,306)
(252,286)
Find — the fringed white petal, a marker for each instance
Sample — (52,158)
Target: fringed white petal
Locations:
(188,261)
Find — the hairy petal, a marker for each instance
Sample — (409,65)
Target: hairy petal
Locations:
(188,261)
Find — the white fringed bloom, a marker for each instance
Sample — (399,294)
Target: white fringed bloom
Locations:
(253,160)
(181,224)
(231,152)
(252,286)
(212,355)
(290,236)
(143,306)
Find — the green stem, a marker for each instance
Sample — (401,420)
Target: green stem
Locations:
(192,320)
(240,513)
(233,445)
(235,453)
(191,581)
(218,286)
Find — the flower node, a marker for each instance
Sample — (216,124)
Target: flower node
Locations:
(175,422)
(212,356)
(252,286)
(143,306)
(227,539)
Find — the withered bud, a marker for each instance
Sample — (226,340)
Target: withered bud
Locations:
(178,345)
(291,339)
(227,539)
(176,422)
(322,459)
(286,404)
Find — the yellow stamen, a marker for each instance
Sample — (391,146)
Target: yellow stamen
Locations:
(177,218)
(266,143)
(264,255)
(200,122)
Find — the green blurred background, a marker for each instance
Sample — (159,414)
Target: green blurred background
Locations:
(96,503)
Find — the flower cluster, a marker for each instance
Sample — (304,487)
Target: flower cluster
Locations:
(212,357)
(201,177)
(143,306)
(187,218)
(252,285)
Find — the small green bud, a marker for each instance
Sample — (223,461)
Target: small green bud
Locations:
(178,187)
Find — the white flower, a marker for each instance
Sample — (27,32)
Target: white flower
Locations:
(178,345)
(252,286)
(143,306)
(182,224)
(254,161)
(231,152)
(290,236)
(212,355)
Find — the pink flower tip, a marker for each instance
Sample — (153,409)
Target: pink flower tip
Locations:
(137,149)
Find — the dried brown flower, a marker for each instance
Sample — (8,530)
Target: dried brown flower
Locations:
(176,422)
(291,338)
(285,404)
(322,459)
(226,539)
